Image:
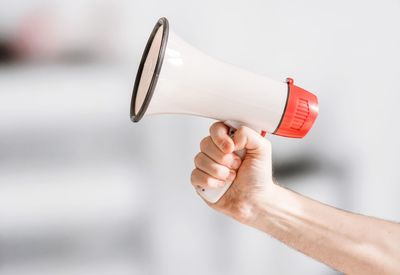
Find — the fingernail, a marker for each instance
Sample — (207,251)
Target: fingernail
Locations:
(225,145)
(235,163)
(232,175)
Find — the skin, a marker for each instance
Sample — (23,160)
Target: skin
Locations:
(347,242)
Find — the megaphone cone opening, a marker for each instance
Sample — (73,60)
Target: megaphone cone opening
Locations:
(149,69)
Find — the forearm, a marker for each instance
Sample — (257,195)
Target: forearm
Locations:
(350,243)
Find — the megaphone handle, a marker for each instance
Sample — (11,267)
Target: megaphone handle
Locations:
(213,195)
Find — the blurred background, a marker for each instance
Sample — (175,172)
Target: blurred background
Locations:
(83,190)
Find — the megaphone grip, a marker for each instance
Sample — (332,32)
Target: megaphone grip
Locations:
(213,195)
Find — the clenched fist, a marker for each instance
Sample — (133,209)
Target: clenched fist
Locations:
(217,163)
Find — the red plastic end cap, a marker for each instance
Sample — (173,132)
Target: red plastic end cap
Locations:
(300,113)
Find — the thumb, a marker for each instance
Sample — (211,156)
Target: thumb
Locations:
(253,142)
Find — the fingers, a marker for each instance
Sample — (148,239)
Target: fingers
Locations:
(201,179)
(216,170)
(216,163)
(208,147)
(244,138)
(253,142)
(219,134)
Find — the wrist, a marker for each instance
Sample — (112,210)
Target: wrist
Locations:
(260,204)
(272,211)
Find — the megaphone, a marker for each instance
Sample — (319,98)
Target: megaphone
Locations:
(175,78)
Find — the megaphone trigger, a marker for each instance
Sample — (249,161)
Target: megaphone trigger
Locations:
(263,133)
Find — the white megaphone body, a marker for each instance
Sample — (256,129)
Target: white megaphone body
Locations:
(176,78)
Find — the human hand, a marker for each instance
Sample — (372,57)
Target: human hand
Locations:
(251,177)
(307,225)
